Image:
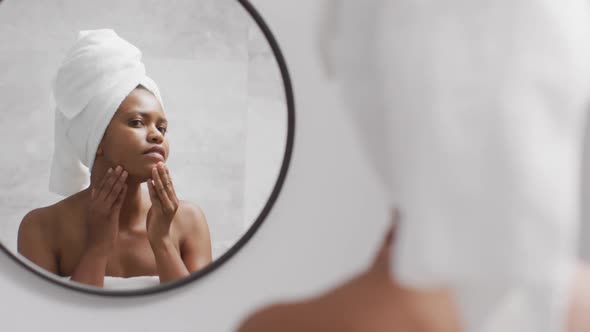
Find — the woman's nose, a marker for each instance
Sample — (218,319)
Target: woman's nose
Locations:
(155,136)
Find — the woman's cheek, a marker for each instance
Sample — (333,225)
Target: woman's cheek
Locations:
(167,147)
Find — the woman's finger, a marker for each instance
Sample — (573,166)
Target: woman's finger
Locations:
(120,198)
(161,190)
(97,188)
(165,175)
(153,194)
(117,187)
(106,189)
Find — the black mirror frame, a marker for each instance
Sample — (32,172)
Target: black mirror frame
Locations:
(247,236)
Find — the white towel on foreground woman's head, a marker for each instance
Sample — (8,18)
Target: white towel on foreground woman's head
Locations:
(98,72)
(475,121)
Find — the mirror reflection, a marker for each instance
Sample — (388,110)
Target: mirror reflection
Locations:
(140,148)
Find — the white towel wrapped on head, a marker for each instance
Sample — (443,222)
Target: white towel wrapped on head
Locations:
(99,71)
(473,115)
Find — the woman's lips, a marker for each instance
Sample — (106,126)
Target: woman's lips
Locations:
(156,151)
(156,155)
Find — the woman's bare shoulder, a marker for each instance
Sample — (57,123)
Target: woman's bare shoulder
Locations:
(193,235)
(41,217)
(190,218)
(48,218)
(36,231)
(39,236)
(190,213)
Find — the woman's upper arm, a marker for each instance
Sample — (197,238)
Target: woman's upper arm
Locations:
(34,242)
(196,244)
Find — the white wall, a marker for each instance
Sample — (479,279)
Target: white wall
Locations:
(325,225)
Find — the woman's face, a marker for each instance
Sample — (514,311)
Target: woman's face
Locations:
(138,126)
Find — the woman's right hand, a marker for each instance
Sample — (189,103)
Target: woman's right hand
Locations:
(102,214)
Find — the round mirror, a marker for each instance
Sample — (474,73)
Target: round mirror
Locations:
(144,141)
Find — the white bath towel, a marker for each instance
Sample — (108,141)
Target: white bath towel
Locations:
(98,72)
(126,284)
(474,114)
(133,283)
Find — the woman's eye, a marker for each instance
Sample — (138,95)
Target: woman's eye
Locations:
(135,123)
(163,130)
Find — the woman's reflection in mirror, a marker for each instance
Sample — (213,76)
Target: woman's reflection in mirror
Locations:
(110,138)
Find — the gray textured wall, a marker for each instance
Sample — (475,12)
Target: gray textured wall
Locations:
(220,85)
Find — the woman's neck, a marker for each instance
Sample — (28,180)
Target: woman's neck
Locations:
(133,212)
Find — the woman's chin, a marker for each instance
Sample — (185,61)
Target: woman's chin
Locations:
(143,171)
(139,178)
(146,171)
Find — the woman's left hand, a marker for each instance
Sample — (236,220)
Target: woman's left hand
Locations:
(164,204)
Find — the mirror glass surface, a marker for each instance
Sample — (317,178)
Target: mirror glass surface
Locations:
(226,130)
